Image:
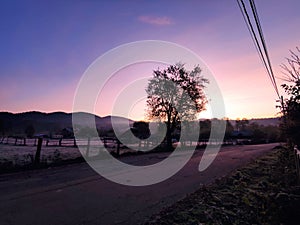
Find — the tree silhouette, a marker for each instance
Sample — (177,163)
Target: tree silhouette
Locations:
(29,131)
(142,130)
(291,106)
(205,128)
(241,125)
(174,95)
(229,129)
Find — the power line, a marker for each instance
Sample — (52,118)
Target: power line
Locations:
(263,53)
(251,31)
(253,7)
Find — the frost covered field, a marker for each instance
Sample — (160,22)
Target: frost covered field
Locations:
(22,155)
(12,155)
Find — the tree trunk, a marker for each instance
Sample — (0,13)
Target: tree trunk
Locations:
(169,134)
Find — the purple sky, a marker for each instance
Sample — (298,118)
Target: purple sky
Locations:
(47,45)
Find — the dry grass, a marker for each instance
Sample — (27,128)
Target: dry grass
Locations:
(263,192)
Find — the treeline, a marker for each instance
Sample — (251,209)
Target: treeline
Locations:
(244,129)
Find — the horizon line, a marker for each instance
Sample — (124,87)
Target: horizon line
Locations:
(204,118)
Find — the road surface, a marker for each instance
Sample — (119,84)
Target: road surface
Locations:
(76,195)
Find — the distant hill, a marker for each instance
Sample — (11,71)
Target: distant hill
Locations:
(16,123)
(266,121)
(262,121)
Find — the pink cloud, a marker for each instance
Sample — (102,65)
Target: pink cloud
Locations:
(160,21)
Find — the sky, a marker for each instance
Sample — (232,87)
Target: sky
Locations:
(46,46)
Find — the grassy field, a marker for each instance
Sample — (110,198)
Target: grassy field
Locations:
(263,192)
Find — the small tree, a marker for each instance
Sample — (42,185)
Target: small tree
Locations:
(142,129)
(29,131)
(229,129)
(175,94)
(290,106)
(205,128)
(241,124)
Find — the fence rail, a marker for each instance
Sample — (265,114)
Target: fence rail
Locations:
(108,141)
(64,142)
(44,148)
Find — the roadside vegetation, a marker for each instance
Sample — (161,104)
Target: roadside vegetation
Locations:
(263,192)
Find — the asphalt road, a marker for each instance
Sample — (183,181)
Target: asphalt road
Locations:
(76,195)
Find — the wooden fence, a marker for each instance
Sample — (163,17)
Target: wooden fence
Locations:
(15,140)
(91,144)
(108,142)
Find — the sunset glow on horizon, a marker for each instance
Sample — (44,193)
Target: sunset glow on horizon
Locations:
(47,46)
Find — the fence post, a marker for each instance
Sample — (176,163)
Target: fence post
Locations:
(38,151)
(104,141)
(88,147)
(118,147)
(140,145)
(75,145)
